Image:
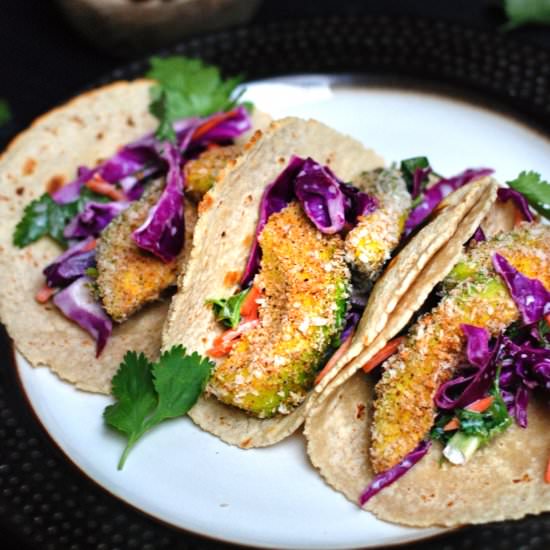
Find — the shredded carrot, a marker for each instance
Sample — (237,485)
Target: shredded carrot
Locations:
(44,294)
(453,424)
(205,127)
(249,307)
(225,342)
(334,359)
(481,404)
(547,318)
(547,474)
(98,185)
(518,216)
(90,246)
(387,351)
(212,145)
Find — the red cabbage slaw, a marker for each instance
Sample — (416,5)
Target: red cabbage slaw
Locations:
(162,233)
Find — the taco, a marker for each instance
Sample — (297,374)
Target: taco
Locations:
(284,255)
(92,178)
(460,406)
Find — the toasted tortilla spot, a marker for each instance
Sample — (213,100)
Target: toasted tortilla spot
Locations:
(55,183)
(257,135)
(20,190)
(231,278)
(99,135)
(206,203)
(247,241)
(77,120)
(28,167)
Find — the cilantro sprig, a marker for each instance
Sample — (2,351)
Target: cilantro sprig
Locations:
(535,190)
(43,216)
(187,87)
(228,310)
(148,393)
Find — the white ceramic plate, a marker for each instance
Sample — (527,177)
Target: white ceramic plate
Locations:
(273,497)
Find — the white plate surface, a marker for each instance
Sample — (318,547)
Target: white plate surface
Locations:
(273,497)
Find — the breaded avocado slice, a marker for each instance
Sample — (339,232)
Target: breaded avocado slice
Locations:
(304,281)
(129,277)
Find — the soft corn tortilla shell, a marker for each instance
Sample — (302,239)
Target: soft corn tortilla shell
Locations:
(82,132)
(223,235)
(504,480)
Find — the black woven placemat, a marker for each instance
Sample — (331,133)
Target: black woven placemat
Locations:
(45,501)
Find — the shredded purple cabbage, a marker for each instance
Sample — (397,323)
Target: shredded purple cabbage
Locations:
(141,158)
(78,304)
(475,379)
(388,477)
(529,295)
(420,174)
(479,235)
(436,193)
(329,203)
(505,194)
(70,265)
(163,231)
(95,217)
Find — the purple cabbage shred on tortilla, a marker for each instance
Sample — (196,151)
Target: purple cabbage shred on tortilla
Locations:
(141,158)
(529,295)
(505,194)
(384,479)
(95,217)
(479,235)
(437,192)
(329,203)
(163,231)
(78,304)
(70,265)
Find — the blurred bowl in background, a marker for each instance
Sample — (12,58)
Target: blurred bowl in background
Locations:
(128,27)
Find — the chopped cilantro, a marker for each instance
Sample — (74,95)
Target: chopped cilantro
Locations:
(521,12)
(409,166)
(148,393)
(228,310)
(44,216)
(535,190)
(187,87)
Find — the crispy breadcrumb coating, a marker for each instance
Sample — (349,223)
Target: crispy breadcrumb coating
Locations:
(129,277)
(404,408)
(370,243)
(304,282)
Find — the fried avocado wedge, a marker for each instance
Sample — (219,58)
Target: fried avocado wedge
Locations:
(127,276)
(370,243)
(404,408)
(304,285)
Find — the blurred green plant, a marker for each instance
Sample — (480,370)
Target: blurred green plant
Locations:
(522,12)
(5,112)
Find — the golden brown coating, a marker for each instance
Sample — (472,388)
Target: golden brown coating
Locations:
(304,281)
(129,277)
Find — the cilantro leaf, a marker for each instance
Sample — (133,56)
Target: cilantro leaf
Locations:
(535,190)
(187,87)
(521,12)
(228,310)
(148,393)
(44,216)
(409,166)
(5,112)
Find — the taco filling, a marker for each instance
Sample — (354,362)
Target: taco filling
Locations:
(124,221)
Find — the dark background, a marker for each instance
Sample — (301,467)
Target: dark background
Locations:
(44,62)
